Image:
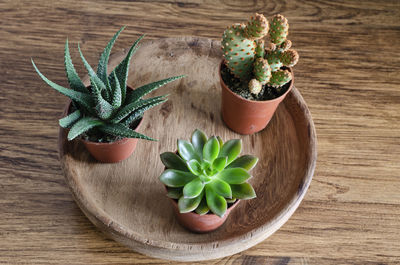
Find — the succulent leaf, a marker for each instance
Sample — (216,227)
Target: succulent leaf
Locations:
(72,76)
(220,163)
(247,162)
(221,143)
(230,200)
(103,62)
(187,151)
(189,204)
(82,126)
(211,149)
(243,191)
(174,193)
(117,96)
(104,110)
(173,161)
(221,187)
(193,188)
(142,91)
(122,131)
(194,167)
(138,113)
(231,149)
(234,175)
(176,178)
(202,209)
(93,76)
(122,68)
(199,139)
(215,202)
(128,109)
(69,120)
(82,98)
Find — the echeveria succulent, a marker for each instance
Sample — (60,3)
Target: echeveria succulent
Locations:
(207,174)
(107,108)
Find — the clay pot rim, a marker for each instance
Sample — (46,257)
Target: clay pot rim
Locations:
(255,101)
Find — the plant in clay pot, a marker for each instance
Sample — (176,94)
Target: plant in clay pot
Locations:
(205,179)
(106,114)
(256,73)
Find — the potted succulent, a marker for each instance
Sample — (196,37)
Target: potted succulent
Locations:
(105,115)
(205,179)
(255,76)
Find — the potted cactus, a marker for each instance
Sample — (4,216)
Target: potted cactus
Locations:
(105,115)
(205,179)
(255,76)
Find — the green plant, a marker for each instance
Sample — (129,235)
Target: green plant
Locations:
(107,107)
(206,174)
(248,59)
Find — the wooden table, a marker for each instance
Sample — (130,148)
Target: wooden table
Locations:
(348,74)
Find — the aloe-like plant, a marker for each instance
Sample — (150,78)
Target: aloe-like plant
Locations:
(207,174)
(107,107)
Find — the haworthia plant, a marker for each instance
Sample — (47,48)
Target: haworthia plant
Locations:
(249,59)
(107,106)
(207,174)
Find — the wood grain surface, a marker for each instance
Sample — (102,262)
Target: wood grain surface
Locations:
(348,74)
(128,202)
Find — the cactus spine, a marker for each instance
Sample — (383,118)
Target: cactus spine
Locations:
(249,59)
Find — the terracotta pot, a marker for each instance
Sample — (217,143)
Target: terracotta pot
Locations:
(201,223)
(247,116)
(110,152)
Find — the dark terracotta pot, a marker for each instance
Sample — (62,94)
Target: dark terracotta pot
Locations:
(247,116)
(112,152)
(200,223)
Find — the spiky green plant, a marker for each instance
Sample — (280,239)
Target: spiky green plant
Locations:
(207,174)
(107,107)
(247,59)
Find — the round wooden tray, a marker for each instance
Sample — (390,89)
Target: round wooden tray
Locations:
(127,201)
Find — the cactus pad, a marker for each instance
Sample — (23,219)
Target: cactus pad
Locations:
(289,58)
(279,78)
(257,27)
(274,60)
(262,70)
(238,51)
(279,28)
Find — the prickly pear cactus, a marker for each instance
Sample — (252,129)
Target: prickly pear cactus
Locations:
(252,60)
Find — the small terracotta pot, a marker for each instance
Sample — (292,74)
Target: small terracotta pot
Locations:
(112,152)
(247,116)
(109,152)
(201,223)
